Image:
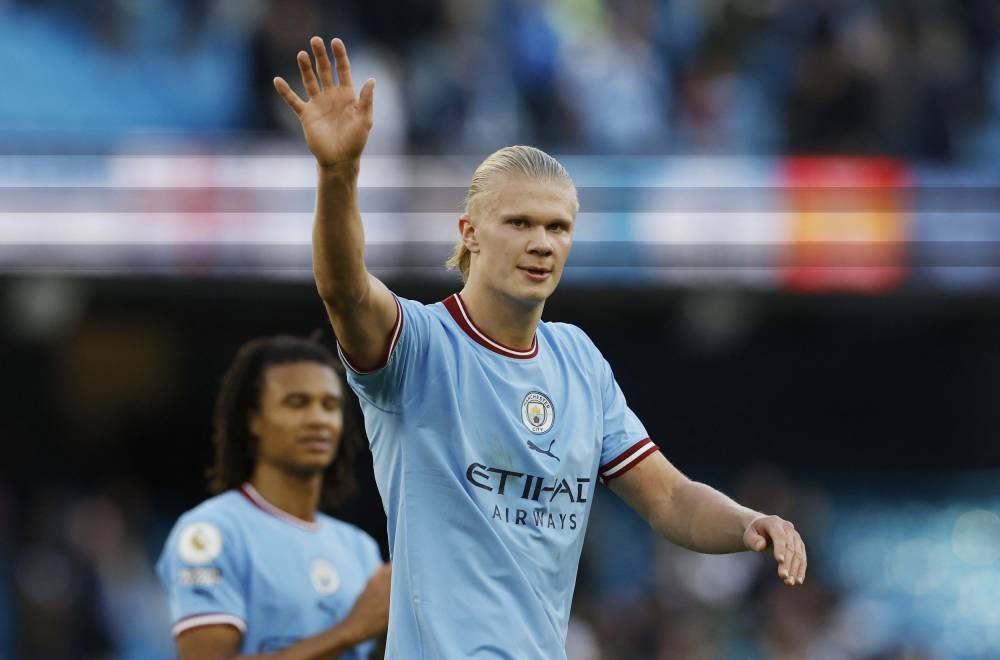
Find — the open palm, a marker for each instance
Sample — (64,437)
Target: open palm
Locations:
(334,120)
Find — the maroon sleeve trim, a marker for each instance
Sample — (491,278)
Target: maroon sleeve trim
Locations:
(628,459)
(390,346)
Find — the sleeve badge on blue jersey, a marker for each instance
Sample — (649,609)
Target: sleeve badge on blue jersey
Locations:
(199,543)
(325,577)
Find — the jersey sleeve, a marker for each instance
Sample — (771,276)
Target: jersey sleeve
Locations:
(201,569)
(385,386)
(625,441)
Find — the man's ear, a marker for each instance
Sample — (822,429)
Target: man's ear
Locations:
(468,231)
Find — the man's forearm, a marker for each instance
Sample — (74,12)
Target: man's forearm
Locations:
(338,237)
(327,645)
(701,518)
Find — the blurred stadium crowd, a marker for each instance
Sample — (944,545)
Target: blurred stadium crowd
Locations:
(919,79)
(896,577)
(106,429)
(106,426)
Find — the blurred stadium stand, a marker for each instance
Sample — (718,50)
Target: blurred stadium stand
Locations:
(789,250)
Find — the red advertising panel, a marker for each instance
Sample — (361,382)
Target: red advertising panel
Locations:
(849,224)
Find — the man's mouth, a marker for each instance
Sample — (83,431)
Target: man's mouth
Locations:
(535,273)
(316,442)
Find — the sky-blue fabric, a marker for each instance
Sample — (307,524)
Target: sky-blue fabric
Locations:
(487,510)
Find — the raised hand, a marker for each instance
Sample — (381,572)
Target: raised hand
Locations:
(334,120)
(781,537)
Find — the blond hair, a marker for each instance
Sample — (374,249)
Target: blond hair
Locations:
(518,160)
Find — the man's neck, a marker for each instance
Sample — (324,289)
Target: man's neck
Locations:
(294,494)
(502,319)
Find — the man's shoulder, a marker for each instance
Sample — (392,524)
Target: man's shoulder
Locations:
(410,305)
(567,335)
(343,530)
(208,530)
(426,315)
(223,509)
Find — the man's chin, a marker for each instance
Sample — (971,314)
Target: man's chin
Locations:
(534,295)
(308,469)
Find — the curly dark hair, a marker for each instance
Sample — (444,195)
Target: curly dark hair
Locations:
(235,446)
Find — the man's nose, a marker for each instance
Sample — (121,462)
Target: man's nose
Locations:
(540,242)
(318,415)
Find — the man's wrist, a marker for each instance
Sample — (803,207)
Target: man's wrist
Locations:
(749,518)
(341,637)
(341,170)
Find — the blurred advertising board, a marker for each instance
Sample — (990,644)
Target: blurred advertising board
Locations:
(864,225)
(955,242)
(849,224)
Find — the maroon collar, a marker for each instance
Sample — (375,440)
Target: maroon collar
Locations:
(456,307)
(249,492)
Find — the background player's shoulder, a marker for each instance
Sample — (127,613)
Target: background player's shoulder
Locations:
(222,509)
(339,526)
(211,529)
(345,530)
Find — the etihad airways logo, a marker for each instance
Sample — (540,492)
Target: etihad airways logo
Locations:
(531,487)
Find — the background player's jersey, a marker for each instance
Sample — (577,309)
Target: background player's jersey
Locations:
(487,460)
(236,559)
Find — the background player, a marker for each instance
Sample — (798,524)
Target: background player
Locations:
(257,569)
(459,395)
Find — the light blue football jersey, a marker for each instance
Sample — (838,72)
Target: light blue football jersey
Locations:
(237,559)
(487,459)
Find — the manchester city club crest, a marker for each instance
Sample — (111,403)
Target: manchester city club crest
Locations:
(537,412)
(325,577)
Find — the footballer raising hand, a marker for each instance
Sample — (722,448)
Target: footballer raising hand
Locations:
(334,120)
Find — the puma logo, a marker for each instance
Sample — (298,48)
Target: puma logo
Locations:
(548,452)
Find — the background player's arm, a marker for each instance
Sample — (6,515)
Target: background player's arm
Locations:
(698,517)
(367,619)
(336,123)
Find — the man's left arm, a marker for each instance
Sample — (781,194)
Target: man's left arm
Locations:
(700,518)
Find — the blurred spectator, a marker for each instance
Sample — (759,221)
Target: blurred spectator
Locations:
(56,588)
(616,86)
(6,591)
(132,602)
(914,79)
(283,29)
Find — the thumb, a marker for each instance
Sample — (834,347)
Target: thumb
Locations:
(756,542)
(753,539)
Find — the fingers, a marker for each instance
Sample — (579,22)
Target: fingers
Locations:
(314,85)
(794,565)
(367,97)
(803,560)
(783,554)
(308,75)
(788,549)
(322,62)
(289,96)
(343,64)
(791,557)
